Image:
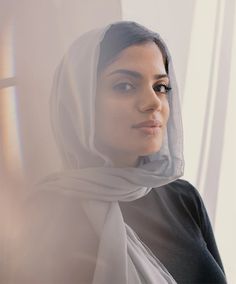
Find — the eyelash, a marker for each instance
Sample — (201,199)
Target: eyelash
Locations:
(167,88)
(121,87)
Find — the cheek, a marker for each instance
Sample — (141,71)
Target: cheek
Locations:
(116,122)
(111,120)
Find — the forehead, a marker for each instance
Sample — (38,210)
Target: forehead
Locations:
(146,58)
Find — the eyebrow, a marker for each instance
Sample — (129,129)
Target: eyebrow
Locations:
(136,74)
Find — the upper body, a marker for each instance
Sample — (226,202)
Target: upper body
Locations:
(116,118)
(170,220)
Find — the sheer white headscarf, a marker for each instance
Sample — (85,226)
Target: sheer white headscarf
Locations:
(121,257)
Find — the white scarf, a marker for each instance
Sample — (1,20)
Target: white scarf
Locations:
(121,258)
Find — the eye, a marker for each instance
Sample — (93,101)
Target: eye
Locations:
(123,87)
(162,88)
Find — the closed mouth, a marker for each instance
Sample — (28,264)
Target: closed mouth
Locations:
(148,124)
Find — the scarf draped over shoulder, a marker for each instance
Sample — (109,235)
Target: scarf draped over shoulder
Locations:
(121,258)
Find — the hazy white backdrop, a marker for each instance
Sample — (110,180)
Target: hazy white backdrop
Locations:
(201,35)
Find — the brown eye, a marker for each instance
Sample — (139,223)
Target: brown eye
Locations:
(161,88)
(123,87)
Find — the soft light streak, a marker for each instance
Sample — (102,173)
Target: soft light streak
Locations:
(9,133)
(7,58)
(11,160)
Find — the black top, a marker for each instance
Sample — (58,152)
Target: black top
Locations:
(172,221)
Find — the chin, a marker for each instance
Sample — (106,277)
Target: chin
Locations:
(150,149)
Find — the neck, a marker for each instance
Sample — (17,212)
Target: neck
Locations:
(124,161)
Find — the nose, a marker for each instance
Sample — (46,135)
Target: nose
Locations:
(149,101)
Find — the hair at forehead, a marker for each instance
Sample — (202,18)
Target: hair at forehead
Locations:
(122,35)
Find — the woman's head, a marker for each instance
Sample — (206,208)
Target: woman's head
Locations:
(132,88)
(94,120)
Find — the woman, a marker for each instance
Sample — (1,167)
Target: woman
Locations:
(117,213)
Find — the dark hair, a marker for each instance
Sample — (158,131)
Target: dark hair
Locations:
(122,35)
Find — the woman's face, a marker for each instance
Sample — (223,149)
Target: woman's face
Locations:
(132,105)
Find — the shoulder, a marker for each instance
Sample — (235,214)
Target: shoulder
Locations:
(57,240)
(58,222)
(182,196)
(180,186)
(181,189)
(55,210)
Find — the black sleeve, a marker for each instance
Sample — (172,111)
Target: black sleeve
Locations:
(205,224)
(207,232)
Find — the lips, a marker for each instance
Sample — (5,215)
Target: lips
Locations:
(154,123)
